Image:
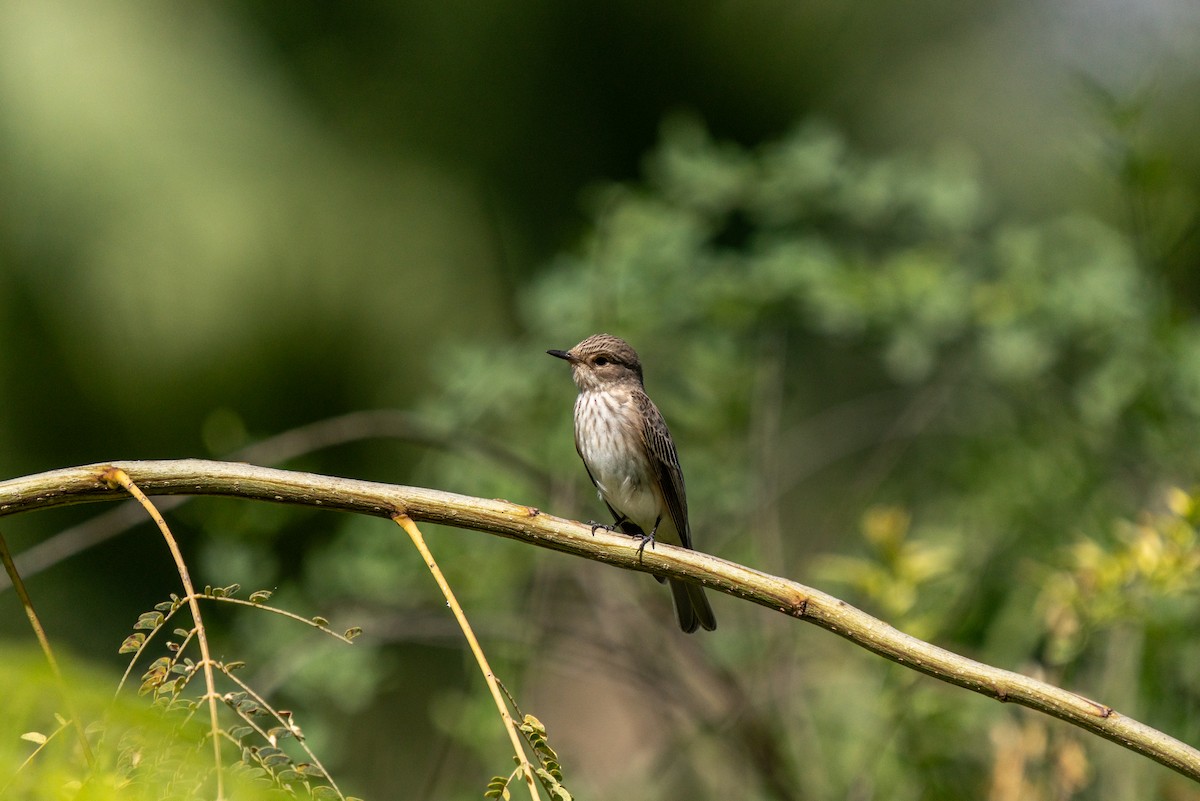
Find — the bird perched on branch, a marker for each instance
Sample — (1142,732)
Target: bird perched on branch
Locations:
(627,450)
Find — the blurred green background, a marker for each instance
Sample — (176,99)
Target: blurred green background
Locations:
(915,286)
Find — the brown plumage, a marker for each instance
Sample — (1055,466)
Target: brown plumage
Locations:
(628,453)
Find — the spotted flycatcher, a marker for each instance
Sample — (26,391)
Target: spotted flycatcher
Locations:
(627,450)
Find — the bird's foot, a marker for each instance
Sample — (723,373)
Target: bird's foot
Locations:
(645,539)
(601,527)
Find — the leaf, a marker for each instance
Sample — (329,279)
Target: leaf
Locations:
(320,621)
(34,737)
(158,667)
(353,632)
(553,786)
(260,596)
(272,756)
(149,620)
(132,643)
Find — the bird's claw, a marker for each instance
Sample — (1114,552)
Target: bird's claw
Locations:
(626,527)
(646,539)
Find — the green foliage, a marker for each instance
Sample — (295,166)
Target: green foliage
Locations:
(140,751)
(175,684)
(548,772)
(829,333)
(803,258)
(1147,575)
(899,572)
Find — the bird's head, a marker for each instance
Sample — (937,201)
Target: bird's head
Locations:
(602,360)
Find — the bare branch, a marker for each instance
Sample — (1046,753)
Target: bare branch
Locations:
(350,427)
(525,523)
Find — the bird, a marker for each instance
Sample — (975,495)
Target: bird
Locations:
(630,458)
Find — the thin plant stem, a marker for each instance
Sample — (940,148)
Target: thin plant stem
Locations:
(284,720)
(115,475)
(44,642)
(489,677)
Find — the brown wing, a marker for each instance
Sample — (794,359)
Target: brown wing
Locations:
(665,462)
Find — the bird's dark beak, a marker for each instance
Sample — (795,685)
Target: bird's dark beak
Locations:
(562,354)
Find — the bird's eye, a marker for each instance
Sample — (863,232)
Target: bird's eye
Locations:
(600,361)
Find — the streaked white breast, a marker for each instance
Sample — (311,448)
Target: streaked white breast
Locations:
(609,439)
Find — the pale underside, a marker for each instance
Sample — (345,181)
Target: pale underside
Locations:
(609,439)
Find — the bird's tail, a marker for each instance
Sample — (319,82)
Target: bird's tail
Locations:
(691,605)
